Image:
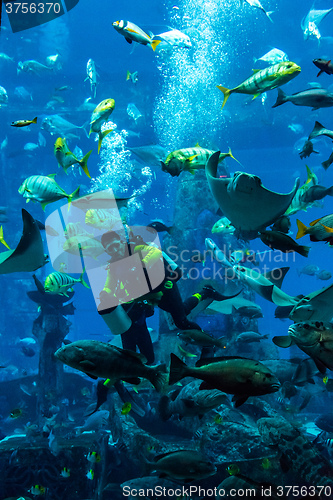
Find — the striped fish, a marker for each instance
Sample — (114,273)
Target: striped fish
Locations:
(75,229)
(66,158)
(190,160)
(102,218)
(263,80)
(297,453)
(319,230)
(59,283)
(89,246)
(100,114)
(45,190)
(298,202)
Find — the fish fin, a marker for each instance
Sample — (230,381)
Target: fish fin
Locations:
(281,98)
(82,280)
(178,369)
(73,196)
(283,341)
(302,230)
(52,176)
(101,136)
(281,272)
(2,238)
(158,377)
(315,222)
(44,204)
(190,158)
(226,92)
(92,376)
(268,14)
(239,400)
(232,156)
(304,250)
(128,40)
(255,96)
(320,72)
(327,229)
(83,164)
(255,70)
(311,175)
(154,44)
(87,365)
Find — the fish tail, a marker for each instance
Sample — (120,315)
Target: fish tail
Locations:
(281,98)
(83,164)
(82,280)
(128,75)
(158,377)
(325,164)
(226,92)
(303,250)
(311,175)
(164,408)
(178,369)
(302,230)
(154,44)
(72,196)
(317,130)
(34,120)
(268,14)
(2,238)
(232,156)
(101,136)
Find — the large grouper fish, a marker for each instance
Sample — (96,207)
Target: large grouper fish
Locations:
(99,359)
(297,454)
(315,338)
(242,377)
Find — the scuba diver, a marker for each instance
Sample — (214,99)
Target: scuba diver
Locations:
(129,317)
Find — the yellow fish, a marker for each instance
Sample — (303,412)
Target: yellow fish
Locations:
(126,408)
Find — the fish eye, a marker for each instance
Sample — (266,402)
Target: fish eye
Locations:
(307,326)
(318,325)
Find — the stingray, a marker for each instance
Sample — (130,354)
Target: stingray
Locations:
(316,306)
(267,285)
(29,255)
(244,201)
(229,306)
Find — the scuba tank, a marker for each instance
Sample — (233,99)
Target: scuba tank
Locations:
(117,320)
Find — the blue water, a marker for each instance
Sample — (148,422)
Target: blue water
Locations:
(181,106)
